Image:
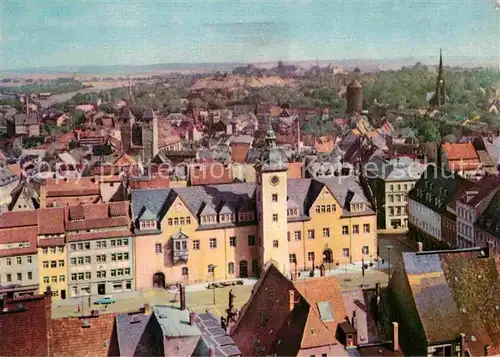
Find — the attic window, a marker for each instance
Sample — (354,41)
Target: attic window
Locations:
(150,224)
(209,219)
(224,218)
(325,311)
(313,331)
(246,216)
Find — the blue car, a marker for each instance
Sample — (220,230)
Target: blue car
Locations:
(105,300)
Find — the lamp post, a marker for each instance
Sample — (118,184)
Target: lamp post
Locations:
(389,247)
(212,267)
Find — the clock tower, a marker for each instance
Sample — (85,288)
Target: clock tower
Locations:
(272,206)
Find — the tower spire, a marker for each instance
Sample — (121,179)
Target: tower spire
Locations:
(439,97)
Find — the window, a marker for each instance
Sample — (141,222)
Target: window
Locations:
(345,252)
(391,199)
(125,242)
(60,263)
(310,256)
(60,249)
(213,243)
(8,261)
(251,240)
(45,262)
(323,209)
(365,250)
(366,228)
(52,250)
(391,187)
(196,245)
(230,268)
(128,285)
(211,268)
(113,243)
(310,234)
(118,242)
(62,278)
(19,260)
(232,241)
(28,259)
(170,221)
(345,230)
(158,248)
(298,235)
(318,209)
(119,272)
(103,244)
(182,221)
(30,275)
(288,236)
(125,255)
(326,232)
(275,197)
(53,264)
(87,260)
(113,257)
(275,217)
(292,258)
(19,276)
(88,275)
(185,271)
(176,221)
(46,279)
(9,278)
(87,245)
(177,245)
(80,246)
(54,279)
(355,229)
(275,244)
(46,250)
(119,256)
(73,277)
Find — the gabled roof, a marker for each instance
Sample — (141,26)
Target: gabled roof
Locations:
(460,151)
(146,215)
(291,204)
(207,210)
(50,221)
(179,235)
(133,337)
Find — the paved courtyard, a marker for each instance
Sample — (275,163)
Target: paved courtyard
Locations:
(200,299)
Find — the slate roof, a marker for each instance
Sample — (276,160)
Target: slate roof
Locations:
(210,199)
(489,221)
(484,189)
(456,292)
(215,337)
(130,333)
(174,322)
(436,188)
(400,169)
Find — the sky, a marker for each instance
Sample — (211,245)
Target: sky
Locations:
(46,33)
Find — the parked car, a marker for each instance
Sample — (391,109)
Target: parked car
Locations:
(105,300)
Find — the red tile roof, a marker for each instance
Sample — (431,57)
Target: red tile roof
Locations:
(83,186)
(50,221)
(267,317)
(239,152)
(150,182)
(119,208)
(294,170)
(19,235)
(69,338)
(460,151)
(18,219)
(210,174)
(124,160)
(25,332)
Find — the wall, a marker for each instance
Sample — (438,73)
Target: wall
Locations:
(55,254)
(23,268)
(109,281)
(425,219)
(399,199)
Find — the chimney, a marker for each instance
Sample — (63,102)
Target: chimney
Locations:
(94,313)
(192,318)
(420,246)
(183,297)
(395,336)
(487,350)
(147,309)
(291,294)
(462,344)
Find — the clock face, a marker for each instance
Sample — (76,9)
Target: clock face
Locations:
(274,180)
(178,206)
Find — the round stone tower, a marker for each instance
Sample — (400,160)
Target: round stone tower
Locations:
(354,96)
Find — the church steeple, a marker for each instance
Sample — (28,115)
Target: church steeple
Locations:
(439,97)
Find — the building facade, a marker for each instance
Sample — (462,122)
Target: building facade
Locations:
(200,233)
(100,249)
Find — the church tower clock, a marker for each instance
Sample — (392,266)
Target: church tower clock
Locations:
(272,205)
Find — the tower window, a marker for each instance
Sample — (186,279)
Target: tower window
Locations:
(298,235)
(275,197)
(232,241)
(275,244)
(251,240)
(275,217)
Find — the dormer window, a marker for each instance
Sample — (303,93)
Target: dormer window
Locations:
(294,212)
(150,224)
(357,207)
(227,217)
(246,216)
(209,219)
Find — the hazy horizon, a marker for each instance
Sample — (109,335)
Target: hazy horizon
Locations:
(37,34)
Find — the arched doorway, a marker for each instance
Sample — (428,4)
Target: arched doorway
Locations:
(327,256)
(159,280)
(243,269)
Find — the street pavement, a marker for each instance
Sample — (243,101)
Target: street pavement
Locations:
(201,299)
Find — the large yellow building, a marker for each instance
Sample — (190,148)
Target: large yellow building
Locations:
(200,233)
